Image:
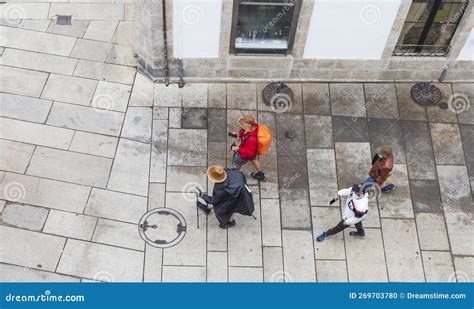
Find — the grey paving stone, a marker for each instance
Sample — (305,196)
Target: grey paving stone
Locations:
(454,185)
(459,103)
(24,108)
(153,264)
(331,271)
(39,62)
(85,119)
(409,110)
(191,251)
(216,125)
(397,204)
(159,151)
(316,99)
(69,89)
(70,225)
(216,237)
(350,129)
(245,274)
(425,196)
(160,113)
(121,55)
(185,179)
(273,264)
(195,95)
(77,28)
(24,216)
(295,208)
(402,250)
(175,117)
(245,240)
(90,11)
(103,262)
(325,218)
(184,274)
(269,188)
(381,101)
(438,266)
(111,96)
(118,234)
(242,96)
(157,195)
(91,50)
(105,71)
(348,100)
(467,134)
(418,150)
(318,131)
(432,231)
(436,114)
(101,30)
(33,133)
(14,157)
(194,118)
(171,96)
(290,135)
(460,225)
(464,268)
(447,144)
(217,95)
(95,144)
(142,92)
(137,124)
(298,255)
(293,172)
(30,249)
(353,163)
(322,175)
(124,34)
(297,102)
(216,267)
(70,166)
(271,224)
(187,147)
(373,220)
(130,171)
(32,24)
(115,205)
(387,132)
(371,250)
(12,80)
(44,192)
(12,273)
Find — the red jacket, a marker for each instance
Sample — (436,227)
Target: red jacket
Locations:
(248,144)
(381,169)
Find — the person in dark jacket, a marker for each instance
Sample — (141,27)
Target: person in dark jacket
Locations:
(230,195)
(247,150)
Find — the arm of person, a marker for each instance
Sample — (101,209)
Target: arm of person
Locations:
(217,198)
(344,192)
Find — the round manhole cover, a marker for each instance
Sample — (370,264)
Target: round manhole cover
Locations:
(425,94)
(162,227)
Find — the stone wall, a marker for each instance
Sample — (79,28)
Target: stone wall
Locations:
(293,67)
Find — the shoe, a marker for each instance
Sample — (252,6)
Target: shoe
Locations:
(231,223)
(203,208)
(259,176)
(389,188)
(357,234)
(322,237)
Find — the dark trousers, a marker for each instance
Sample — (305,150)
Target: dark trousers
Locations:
(341,226)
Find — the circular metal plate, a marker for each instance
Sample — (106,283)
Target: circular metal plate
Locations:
(425,94)
(273,90)
(162,227)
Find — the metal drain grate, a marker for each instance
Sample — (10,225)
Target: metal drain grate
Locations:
(64,20)
(425,94)
(162,227)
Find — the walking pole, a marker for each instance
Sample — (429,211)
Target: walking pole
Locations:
(197,209)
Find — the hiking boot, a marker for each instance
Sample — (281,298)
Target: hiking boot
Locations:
(357,234)
(227,225)
(231,223)
(203,207)
(259,176)
(322,237)
(389,188)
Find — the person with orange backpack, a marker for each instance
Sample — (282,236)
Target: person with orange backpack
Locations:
(255,140)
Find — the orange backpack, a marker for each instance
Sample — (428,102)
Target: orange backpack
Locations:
(264,137)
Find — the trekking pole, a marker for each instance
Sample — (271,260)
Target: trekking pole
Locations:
(197,209)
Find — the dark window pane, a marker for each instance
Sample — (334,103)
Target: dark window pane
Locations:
(411,33)
(419,12)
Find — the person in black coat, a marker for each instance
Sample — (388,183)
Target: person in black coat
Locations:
(230,195)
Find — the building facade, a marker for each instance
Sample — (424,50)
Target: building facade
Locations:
(305,40)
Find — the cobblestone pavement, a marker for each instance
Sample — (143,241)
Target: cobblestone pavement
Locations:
(88,146)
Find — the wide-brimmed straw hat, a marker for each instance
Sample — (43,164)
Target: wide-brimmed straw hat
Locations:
(216,173)
(384,150)
(247,119)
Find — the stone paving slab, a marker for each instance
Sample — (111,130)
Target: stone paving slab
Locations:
(438,266)
(331,271)
(408,109)
(12,81)
(153,264)
(12,273)
(138,124)
(94,144)
(447,144)
(184,274)
(111,96)
(71,225)
(467,90)
(118,234)
(24,108)
(325,218)
(467,134)
(271,225)
(432,231)
(397,204)
(350,129)
(464,268)
(381,101)
(14,157)
(245,274)
(322,177)
(90,11)
(273,265)
(217,267)
(105,71)
(353,157)
(101,30)
(24,216)
(298,255)
(387,131)
(319,131)
(295,208)
(316,99)
(348,100)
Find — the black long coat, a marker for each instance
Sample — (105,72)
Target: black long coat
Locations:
(231,196)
